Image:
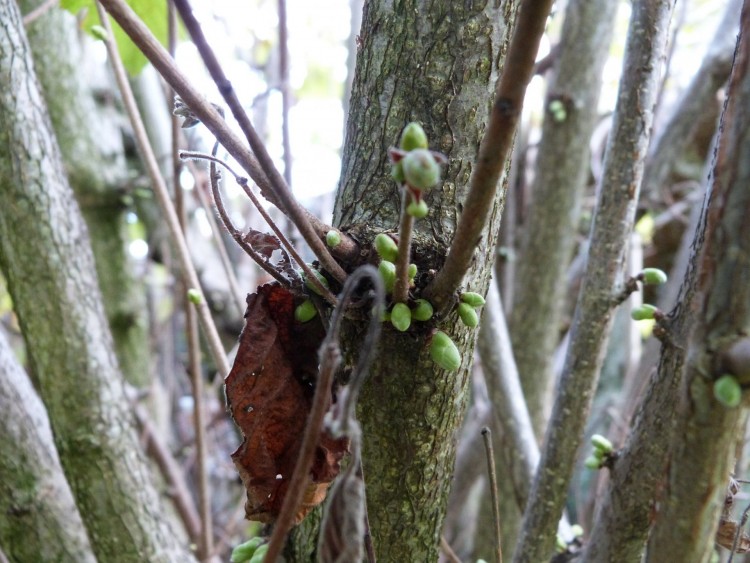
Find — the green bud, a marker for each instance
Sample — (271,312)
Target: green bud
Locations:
(727,391)
(423,310)
(601,443)
(593,463)
(195,296)
(557,110)
(653,276)
(397,172)
(468,315)
(421,170)
(413,137)
(312,287)
(245,551)
(444,352)
(412,271)
(576,530)
(99,32)
(386,247)
(401,317)
(643,312)
(473,299)
(418,210)
(385,317)
(561,546)
(333,238)
(305,311)
(259,554)
(388,273)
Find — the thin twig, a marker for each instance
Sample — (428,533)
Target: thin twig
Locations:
(330,358)
(205,545)
(347,250)
(162,196)
(487,437)
(493,150)
(738,533)
(448,550)
(242,181)
(39,11)
(401,286)
(280,188)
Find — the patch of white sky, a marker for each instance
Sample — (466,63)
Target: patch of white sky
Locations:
(318,32)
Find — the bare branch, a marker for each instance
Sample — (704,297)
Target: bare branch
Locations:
(494,149)
(615,213)
(489,450)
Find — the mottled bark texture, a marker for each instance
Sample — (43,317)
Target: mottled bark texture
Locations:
(561,174)
(39,520)
(46,258)
(680,430)
(435,63)
(703,444)
(78,97)
(604,278)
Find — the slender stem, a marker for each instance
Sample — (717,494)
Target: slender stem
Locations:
(494,148)
(487,437)
(205,545)
(39,11)
(401,286)
(448,551)
(162,196)
(279,186)
(325,292)
(347,251)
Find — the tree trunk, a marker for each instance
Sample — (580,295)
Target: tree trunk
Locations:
(47,260)
(39,520)
(433,63)
(91,144)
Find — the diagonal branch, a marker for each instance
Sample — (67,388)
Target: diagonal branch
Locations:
(494,149)
(347,251)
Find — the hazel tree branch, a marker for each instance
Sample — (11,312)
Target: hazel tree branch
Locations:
(493,150)
(347,250)
(615,212)
(279,186)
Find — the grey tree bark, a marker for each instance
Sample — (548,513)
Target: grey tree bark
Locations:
(46,258)
(435,63)
(39,520)
(562,172)
(90,141)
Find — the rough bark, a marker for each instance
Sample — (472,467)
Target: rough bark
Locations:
(562,172)
(436,64)
(703,444)
(39,520)
(604,280)
(90,140)
(46,258)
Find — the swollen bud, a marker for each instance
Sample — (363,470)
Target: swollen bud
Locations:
(413,137)
(418,210)
(444,352)
(468,315)
(195,296)
(423,311)
(397,172)
(99,32)
(593,462)
(245,551)
(412,271)
(305,311)
(310,285)
(260,554)
(386,247)
(643,312)
(727,391)
(421,170)
(401,317)
(388,273)
(601,444)
(473,299)
(653,276)
(333,238)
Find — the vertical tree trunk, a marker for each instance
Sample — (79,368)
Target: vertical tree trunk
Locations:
(39,520)
(91,144)
(46,258)
(434,63)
